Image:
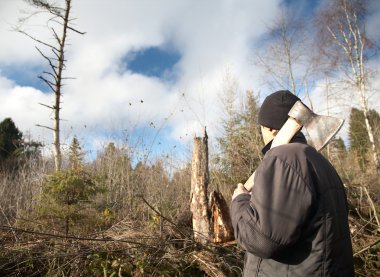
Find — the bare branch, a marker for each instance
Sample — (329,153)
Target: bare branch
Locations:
(47,127)
(50,74)
(337,40)
(75,30)
(56,53)
(274,74)
(56,36)
(367,247)
(50,84)
(4,227)
(52,66)
(36,40)
(373,208)
(50,107)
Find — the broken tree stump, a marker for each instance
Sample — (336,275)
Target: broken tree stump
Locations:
(220,221)
(199,184)
(211,220)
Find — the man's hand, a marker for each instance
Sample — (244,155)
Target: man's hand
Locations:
(239,190)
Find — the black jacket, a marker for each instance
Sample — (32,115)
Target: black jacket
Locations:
(295,222)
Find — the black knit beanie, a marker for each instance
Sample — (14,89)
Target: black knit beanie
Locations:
(274,110)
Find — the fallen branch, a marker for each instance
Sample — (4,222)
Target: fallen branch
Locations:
(373,208)
(367,247)
(161,215)
(206,265)
(4,227)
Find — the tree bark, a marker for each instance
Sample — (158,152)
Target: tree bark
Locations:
(211,220)
(199,184)
(365,110)
(220,221)
(57,89)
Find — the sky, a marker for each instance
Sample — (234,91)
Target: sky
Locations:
(148,73)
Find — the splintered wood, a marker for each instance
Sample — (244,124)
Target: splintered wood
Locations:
(211,221)
(220,221)
(199,184)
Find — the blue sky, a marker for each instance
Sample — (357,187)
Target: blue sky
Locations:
(25,75)
(154,68)
(153,62)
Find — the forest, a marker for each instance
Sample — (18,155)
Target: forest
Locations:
(123,213)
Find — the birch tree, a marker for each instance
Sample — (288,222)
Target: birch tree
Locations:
(287,59)
(59,24)
(344,41)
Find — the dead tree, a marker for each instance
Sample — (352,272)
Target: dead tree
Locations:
(199,184)
(211,221)
(60,18)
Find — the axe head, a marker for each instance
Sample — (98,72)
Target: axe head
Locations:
(320,128)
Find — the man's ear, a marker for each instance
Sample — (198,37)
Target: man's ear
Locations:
(274,131)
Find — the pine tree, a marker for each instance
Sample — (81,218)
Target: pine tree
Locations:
(76,155)
(11,140)
(241,145)
(67,194)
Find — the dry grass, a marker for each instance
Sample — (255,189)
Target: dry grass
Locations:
(145,225)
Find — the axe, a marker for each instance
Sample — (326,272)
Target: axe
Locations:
(320,128)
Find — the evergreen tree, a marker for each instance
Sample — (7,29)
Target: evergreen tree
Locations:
(11,140)
(113,165)
(76,155)
(251,132)
(67,194)
(241,144)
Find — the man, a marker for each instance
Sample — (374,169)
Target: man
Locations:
(295,220)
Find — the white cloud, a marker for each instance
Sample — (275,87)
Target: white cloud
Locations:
(22,105)
(209,35)
(15,48)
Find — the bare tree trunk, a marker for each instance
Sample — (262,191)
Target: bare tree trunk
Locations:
(288,55)
(211,221)
(54,77)
(371,138)
(57,88)
(199,184)
(328,111)
(360,82)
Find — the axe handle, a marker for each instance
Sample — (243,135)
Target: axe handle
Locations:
(287,132)
(249,184)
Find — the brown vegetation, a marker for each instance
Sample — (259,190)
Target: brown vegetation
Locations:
(117,216)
